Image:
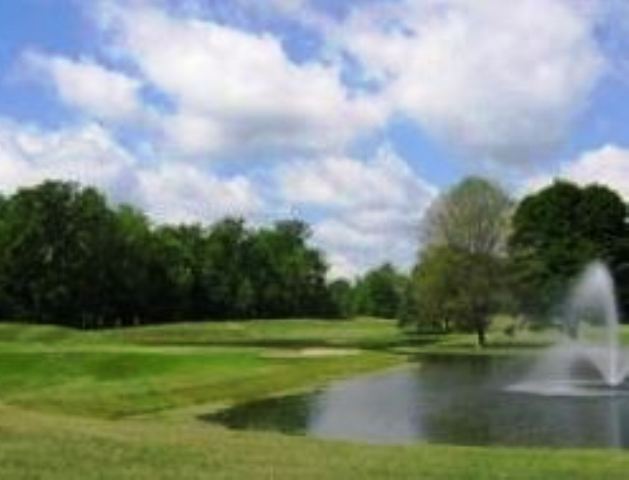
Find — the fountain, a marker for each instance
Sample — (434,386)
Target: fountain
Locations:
(592,361)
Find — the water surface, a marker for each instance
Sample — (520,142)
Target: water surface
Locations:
(464,401)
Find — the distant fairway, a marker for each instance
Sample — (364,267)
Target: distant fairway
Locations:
(123,404)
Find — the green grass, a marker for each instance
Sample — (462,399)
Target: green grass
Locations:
(122,404)
(66,448)
(120,373)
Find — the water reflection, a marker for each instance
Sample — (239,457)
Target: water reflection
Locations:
(463,401)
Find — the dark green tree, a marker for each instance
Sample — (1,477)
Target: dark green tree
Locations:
(291,275)
(55,249)
(379,292)
(555,233)
(342,295)
(68,257)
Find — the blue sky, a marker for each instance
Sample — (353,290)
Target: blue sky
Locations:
(353,115)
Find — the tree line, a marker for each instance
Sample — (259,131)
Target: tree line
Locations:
(69,257)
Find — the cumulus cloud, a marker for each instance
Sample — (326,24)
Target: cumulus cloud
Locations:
(501,81)
(88,86)
(237,89)
(607,165)
(372,207)
(169,192)
(86,154)
(178,192)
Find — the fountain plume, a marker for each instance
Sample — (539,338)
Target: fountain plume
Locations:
(593,316)
(591,319)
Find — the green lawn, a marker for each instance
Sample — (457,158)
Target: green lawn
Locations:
(113,374)
(122,403)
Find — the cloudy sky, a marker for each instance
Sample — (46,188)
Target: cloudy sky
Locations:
(351,115)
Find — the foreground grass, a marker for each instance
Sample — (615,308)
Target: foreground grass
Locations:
(69,404)
(66,448)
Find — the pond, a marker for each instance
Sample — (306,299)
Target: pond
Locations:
(462,400)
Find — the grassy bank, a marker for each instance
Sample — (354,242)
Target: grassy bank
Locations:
(119,404)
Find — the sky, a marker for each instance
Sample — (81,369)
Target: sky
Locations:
(352,116)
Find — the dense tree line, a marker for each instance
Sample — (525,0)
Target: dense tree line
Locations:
(69,257)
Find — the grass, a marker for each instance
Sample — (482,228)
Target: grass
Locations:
(119,404)
(56,447)
(114,374)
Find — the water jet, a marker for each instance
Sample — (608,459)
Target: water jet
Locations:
(592,361)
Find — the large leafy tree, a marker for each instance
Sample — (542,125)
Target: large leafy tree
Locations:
(555,233)
(459,278)
(471,217)
(54,248)
(454,289)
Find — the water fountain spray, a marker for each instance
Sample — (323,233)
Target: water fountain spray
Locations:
(591,319)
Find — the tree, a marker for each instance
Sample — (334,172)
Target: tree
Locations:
(429,302)
(138,284)
(453,289)
(457,281)
(471,217)
(555,233)
(6,307)
(290,277)
(54,250)
(379,292)
(226,255)
(342,295)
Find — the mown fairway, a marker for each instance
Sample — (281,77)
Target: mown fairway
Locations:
(123,404)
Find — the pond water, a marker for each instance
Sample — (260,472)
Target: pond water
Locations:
(465,401)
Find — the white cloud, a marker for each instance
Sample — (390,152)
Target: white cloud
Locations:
(342,182)
(608,165)
(240,87)
(372,208)
(342,267)
(500,80)
(177,192)
(193,134)
(86,154)
(354,247)
(89,155)
(88,86)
